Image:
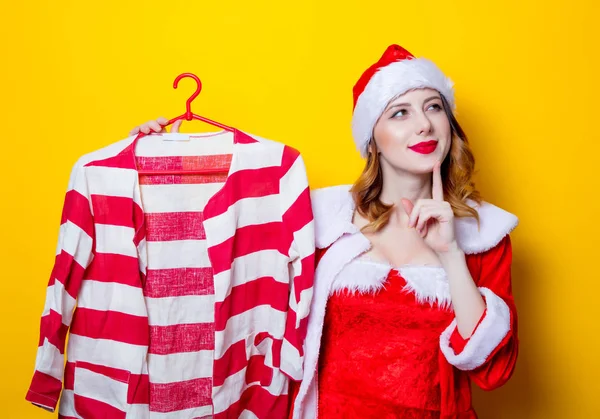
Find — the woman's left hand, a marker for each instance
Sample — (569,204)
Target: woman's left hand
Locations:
(433,218)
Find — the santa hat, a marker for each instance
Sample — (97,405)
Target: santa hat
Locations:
(396,72)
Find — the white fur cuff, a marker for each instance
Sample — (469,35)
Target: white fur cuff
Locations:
(491,331)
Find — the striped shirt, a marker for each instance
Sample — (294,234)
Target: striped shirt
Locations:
(179,287)
(128,258)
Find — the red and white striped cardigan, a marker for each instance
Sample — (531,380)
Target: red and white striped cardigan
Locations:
(263,287)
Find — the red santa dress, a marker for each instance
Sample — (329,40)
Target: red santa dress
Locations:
(382,341)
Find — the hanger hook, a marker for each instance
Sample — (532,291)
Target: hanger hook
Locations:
(188,103)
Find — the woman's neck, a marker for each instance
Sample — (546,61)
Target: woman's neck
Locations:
(400,184)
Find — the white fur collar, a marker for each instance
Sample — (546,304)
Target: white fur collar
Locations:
(333,208)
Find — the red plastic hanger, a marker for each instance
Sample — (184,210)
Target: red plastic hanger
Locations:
(188,116)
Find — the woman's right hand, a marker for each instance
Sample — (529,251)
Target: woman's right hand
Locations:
(157,126)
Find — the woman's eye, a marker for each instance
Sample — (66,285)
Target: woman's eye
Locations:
(401,112)
(435,107)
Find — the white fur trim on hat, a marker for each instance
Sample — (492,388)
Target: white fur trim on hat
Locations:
(388,83)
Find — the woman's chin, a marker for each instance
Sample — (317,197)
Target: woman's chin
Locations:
(415,163)
(423,166)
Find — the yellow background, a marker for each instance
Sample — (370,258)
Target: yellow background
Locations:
(77,75)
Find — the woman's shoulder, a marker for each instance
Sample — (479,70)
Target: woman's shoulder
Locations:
(336,194)
(333,209)
(494,225)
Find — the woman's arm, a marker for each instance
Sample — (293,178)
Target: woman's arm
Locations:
(467,301)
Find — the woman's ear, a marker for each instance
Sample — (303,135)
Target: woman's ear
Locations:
(372,148)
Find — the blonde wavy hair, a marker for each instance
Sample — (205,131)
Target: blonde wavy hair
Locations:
(457,178)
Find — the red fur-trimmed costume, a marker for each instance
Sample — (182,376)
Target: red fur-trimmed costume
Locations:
(382,341)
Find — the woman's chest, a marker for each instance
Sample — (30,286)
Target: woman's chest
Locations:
(400,247)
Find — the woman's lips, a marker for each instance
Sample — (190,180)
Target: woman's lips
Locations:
(426,147)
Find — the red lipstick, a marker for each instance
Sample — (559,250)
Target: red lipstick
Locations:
(426,147)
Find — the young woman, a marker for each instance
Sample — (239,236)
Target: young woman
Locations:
(412,295)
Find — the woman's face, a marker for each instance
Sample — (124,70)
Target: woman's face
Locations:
(413,133)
